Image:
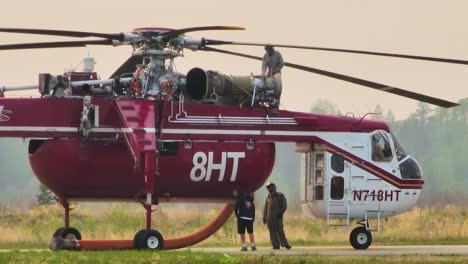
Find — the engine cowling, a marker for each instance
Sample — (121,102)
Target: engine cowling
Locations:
(212,86)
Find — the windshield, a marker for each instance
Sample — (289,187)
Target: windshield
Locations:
(400,152)
(410,169)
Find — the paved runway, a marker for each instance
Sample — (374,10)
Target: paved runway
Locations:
(349,251)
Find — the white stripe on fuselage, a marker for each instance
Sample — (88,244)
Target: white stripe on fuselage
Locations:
(175,131)
(165,131)
(68,129)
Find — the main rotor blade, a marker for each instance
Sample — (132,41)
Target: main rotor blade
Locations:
(177,32)
(222,42)
(128,66)
(370,84)
(64,33)
(60,44)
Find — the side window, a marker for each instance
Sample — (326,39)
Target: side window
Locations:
(337,163)
(319,175)
(381,149)
(319,166)
(336,188)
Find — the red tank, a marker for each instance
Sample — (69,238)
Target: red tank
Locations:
(94,170)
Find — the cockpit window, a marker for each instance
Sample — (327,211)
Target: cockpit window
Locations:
(381,149)
(410,169)
(400,153)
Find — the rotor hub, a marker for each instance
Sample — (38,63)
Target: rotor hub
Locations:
(157,30)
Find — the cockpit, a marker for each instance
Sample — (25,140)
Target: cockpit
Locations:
(385,147)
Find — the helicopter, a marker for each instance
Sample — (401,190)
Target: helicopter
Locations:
(149,134)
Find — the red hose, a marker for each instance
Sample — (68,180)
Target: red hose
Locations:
(173,243)
(202,233)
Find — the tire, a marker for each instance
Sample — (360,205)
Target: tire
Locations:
(56,242)
(69,233)
(136,239)
(360,238)
(57,232)
(152,240)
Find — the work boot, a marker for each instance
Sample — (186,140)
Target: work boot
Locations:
(288,247)
(243,249)
(254,248)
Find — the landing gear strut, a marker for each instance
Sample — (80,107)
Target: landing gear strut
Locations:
(65,237)
(149,238)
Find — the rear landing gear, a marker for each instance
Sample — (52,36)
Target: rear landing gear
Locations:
(65,237)
(360,238)
(67,233)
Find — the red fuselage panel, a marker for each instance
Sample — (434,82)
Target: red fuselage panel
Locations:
(98,169)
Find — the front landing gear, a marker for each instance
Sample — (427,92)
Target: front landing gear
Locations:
(148,239)
(360,238)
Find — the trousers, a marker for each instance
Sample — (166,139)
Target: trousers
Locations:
(277,236)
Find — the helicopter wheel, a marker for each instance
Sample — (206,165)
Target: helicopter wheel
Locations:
(148,239)
(67,233)
(57,232)
(58,240)
(360,238)
(136,239)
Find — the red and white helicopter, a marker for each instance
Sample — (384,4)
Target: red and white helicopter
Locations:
(151,134)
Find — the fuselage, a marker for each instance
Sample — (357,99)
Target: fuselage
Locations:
(205,151)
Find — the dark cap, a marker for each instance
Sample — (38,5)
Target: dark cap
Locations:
(270,184)
(268,47)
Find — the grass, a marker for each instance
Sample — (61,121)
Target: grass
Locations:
(195,257)
(33,228)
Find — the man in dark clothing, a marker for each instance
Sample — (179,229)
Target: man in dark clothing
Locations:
(245,214)
(275,206)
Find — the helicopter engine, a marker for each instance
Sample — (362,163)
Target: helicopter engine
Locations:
(212,86)
(153,81)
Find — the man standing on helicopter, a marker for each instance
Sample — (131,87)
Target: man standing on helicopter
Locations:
(272,62)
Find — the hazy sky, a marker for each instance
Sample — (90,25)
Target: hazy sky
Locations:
(423,27)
